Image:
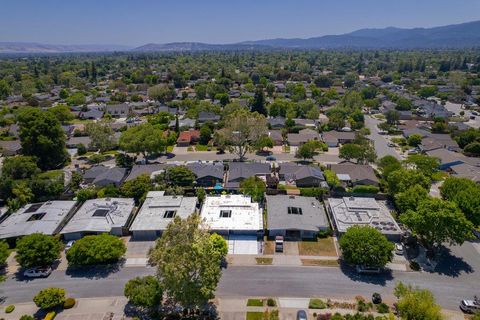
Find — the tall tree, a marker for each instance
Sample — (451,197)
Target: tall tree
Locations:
(101,135)
(253,187)
(144,292)
(258,104)
(416,304)
(37,250)
(188,264)
(145,139)
(42,136)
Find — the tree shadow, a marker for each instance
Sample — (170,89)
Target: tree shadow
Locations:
(380,279)
(451,265)
(172,311)
(94,271)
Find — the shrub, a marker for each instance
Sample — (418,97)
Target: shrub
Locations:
(337,316)
(69,303)
(362,306)
(26,317)
(325,233)
(382,308)
(317,304)
(51,315)
(311,192)
(326,316)
(271,302)
(81,149)
(414,266)
(96,249)
(10,308)
(366,189)
(49,298)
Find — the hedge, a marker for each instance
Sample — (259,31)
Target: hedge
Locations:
(312,192)
(10,308)
(69,303)
(365,189)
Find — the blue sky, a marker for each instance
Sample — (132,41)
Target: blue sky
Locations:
(136,22)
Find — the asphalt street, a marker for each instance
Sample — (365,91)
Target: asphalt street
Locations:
(456,278)
(380,142)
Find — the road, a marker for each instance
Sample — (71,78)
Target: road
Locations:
(380,142)
(456,278)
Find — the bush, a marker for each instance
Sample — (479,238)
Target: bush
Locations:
(81,149)
(366,189)
(382,308)
(325,233)
(37,249)
(317,304)
(414,266)
(50,298)
(51,315)
(10,308)
(96,249)
(312,192)
(363,306)
(69,303)
(26,317)
(271,302)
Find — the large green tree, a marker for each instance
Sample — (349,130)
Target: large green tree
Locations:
(4,252)
(101,135)
(365,245)
(144,292)
(416,304)
(42,136)
(37,250)
(50,298)
(96,249)
(253,187)
(466,194)
(410,198)
(188,264)
(137,188)
(258,104)
(145,139)
(308,150)
(437,221)
(402,179)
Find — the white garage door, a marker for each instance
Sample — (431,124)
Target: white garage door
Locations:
(238,244)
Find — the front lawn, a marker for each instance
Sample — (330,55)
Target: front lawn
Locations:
(254,316)
(201,147)
(320,263)
(264,261)
(255,303)
(319,247)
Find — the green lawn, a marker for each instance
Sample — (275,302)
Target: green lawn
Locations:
(264,261)
(52,174)
(202,147)
(254,316)
(320,247)
(255,303)
(317,304)
(170,149)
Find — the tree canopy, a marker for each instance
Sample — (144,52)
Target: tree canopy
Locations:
(38,250)
(144,292)
(253,187)
(145,139)
(50,298)
(416,304)
(96,249)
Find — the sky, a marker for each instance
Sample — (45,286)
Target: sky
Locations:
(137,22)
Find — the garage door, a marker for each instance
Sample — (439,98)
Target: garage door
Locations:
(238,244)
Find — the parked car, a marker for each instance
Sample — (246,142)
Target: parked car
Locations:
(470,306)
(270,158)
(376,298)
(278,244)
(399,249)
(412,151)
(391,144)
(38,272)
(368,270)
(301,315)
(472,117)
(69,245)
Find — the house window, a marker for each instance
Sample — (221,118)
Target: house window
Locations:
(225,213)
(169,214)
(101,212)
(36,216)
(33,208)
(294,210)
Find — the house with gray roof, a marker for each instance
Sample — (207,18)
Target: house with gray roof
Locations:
(207,174)
(46,218)
(297,139)
(152,170)
(102,176)
(334,138)
(205,116)
(355,174)
(96,216)
(277,122)
(158,211)
(295,217)
(239,171)
(301,176)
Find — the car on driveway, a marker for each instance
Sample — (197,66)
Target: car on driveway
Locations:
(69,245)
(278,244)
(470,306)
(391,144)
(301,315)
(399,249)
(38,272)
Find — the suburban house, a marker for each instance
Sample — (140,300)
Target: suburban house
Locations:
(237,218)
(96,216)
(297,139)
(182,123)
(102,176)
(276,123)
(349,211)
(73,142)
(276,136)
(47,218)
(91,114)
(186,138)
(239,171)
(151,170)
(158,211)
(301,176)
(438,141)
(118,110)
(295,217)
(208,175)
(355,174)
(334,138)
(206,116)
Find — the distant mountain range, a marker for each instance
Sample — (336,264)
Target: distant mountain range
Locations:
(464,35)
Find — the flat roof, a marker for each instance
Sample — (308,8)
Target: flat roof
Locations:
(312,216)
(349,211)
(44,218)
(239,213)
(153,214)
(100,215)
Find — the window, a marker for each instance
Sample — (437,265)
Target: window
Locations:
(169,214)
(33,208)
(225,213)
(294,210)
(100,213)
(36,216)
